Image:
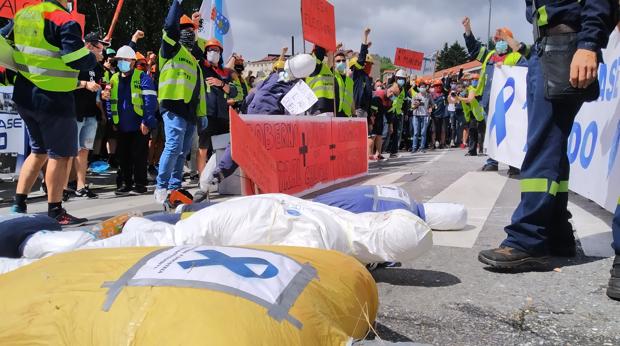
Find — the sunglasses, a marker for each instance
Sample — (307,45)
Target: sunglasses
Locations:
(340,60)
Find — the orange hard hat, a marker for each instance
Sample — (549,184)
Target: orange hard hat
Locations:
(437,82)
(185,20)
(214,42)
(505,30)
(139,56)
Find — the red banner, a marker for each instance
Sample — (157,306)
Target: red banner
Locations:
(294,154)
(409,59)
(319,24)
(8,8)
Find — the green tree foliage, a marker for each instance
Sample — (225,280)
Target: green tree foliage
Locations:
(148,16)
(450,56)
(386,64)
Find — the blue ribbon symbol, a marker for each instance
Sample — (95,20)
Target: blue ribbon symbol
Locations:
(237,265)
(613,153)
(501,107)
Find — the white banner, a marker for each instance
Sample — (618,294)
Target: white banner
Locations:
(12,127)
(594,143)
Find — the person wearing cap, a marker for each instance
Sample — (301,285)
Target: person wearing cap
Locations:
(345,107)
(182,96)
(49,55)
(219,90)
(421,106)
(109,64)
(236,63)
(131,108)
(400,116)
(440,115)
(88,110)
(507,52)
(361,67)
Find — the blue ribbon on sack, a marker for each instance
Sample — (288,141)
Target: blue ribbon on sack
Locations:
(501,107)
(237,265)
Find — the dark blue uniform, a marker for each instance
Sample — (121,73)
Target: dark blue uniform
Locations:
(540,223)
(615,230)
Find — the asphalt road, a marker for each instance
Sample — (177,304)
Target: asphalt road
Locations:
(447,297)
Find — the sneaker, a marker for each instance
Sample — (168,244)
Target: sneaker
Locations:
(489,168)
(44,187)
(372,266)
(423,151)
(123,191)
(138,190)
(382,158)
(200,196)
(394,156)
(462,146)
(85,192)
(506,257)
(613,289)
(67,194)
(161,195)
(16,209)
(66,219)
(372,158)
(514,172)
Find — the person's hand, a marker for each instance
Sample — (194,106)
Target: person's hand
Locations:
(138,35)
(105,94)
(338,46)
(144,129)
(212,81)
(93,86)
(369,44)
(196,18)
(366,33)
(467,25)
(284,50)
(583,68)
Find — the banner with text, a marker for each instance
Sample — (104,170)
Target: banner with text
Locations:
(408,58)
(594,142)
(298,154)
(12,127)
(319,23)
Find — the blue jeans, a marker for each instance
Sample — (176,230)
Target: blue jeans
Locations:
(419,128)
(179,135)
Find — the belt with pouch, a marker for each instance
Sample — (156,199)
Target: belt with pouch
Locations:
(546,31)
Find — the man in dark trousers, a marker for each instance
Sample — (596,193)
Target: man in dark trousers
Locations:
(540,226)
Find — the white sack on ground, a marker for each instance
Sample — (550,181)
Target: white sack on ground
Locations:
(445,216)
(46,243)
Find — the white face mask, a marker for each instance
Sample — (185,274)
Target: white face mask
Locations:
(213,57)
(283,76)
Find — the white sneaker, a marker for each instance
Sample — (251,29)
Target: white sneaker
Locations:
(161,195)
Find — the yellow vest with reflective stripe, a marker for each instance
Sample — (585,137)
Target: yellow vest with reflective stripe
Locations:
(38,60)
(473,107)
(136,94)
(323,83)
(511,60)
(178,77)
(345,94)
(397,105)
(240,93)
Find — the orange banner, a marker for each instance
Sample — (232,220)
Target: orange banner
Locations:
(306,152)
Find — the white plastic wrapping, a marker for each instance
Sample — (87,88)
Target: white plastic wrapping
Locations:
(10,264)
(445,216)
(46,243)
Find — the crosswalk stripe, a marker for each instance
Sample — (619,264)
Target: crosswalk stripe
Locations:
(594,234)
(479,192)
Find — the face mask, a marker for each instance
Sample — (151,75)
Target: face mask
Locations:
(341,67)
(501,47)
(188,38)
(422,90)
(213,57)
(453,86)
(400,82)
(124,66)
(474,83)
(283,76)
(239,69)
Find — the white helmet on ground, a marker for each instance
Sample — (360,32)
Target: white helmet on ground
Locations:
(125,52)
(300,66)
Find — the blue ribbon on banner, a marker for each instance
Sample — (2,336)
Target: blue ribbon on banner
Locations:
(501,107)
(613,152)
(237,265)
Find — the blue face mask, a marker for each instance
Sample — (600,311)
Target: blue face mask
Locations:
(400,82)
(501,47)
(341,67)
(393,97)
(124,66)
(474,83)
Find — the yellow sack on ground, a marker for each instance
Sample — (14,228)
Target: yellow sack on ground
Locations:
(190,295)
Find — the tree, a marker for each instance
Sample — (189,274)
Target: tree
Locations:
(386,64)
(451,56)
(148,16)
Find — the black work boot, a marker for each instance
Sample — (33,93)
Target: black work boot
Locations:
(506,257)
(613,290)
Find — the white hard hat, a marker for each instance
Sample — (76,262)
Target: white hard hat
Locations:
(125,52)
(300,66)
(401,74)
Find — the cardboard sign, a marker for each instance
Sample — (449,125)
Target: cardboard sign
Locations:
(299,99)
(409,59)
(319,24)
(308,152)
(8,8)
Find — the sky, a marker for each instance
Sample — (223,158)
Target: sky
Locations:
(265,26)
